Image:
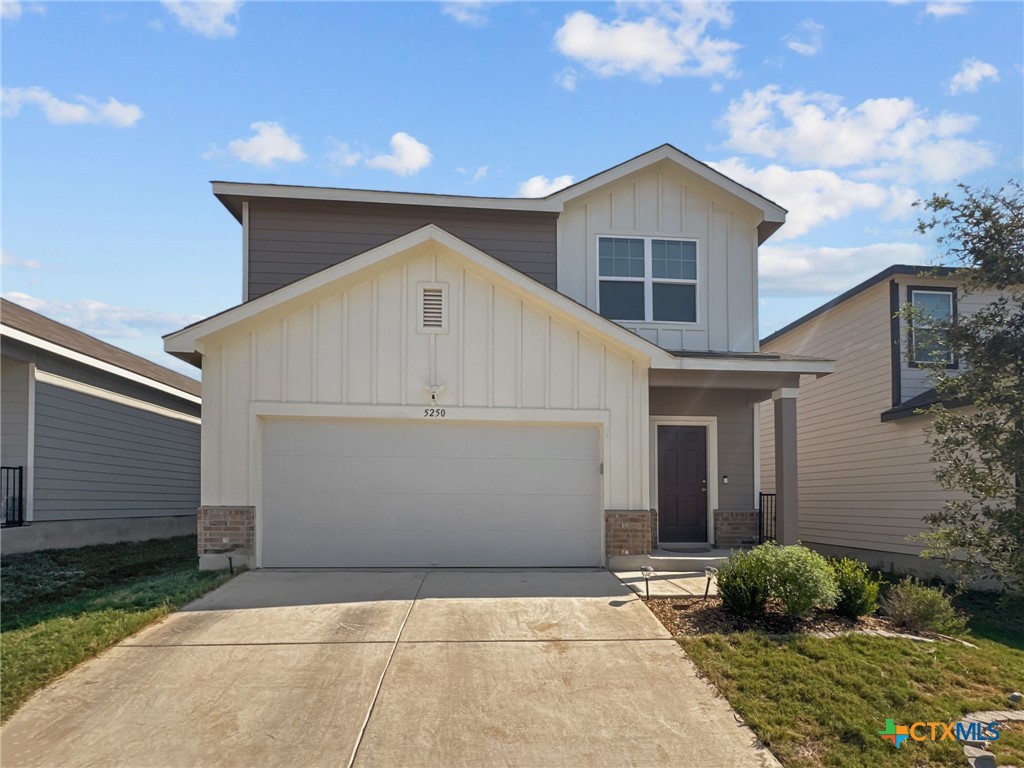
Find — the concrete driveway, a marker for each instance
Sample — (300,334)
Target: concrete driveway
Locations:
(390,668)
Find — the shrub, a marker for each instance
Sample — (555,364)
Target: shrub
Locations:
(858,589)
(916,606)
(743,584)
(799,578)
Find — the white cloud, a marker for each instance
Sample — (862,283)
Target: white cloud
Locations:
(806,39)
(717,87)
(812,197)
(480,173)
(342,155)
(879,138)
(944,8)
(567,78)
(651,41)
(408,156)
(82,110)
(13,9)
(7,260)
(542,186)
(105,320)
(269,144)
(472,12)
(209,18)
(972,73)
(827,271)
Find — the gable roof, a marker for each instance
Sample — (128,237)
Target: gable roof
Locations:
(184,343)
(61,339)
(885,274)
(232,194)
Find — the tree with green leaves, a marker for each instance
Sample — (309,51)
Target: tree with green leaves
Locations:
(977,427)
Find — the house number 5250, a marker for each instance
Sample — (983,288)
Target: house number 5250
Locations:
(433,413)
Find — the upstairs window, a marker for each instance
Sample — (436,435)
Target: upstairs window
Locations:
(647,279)
(934,310)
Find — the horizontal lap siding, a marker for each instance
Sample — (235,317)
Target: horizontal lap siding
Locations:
(95,458)
(289,241)
(863,483)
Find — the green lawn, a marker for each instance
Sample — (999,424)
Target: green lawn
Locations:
(62,606)
(821,702)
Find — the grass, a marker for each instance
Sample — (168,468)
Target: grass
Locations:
(821,702)
(63,606)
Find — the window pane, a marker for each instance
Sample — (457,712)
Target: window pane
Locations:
(622,301)
(930,346)
(620,257)
(675,303)
(674,259)
(934,307)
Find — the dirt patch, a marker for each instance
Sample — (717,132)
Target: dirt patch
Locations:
(697,616)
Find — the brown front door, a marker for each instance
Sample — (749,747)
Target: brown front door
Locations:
(682,484)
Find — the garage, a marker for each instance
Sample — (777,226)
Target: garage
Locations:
(365,493)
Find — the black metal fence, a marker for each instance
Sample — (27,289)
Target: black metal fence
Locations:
(12,495)
(766,517)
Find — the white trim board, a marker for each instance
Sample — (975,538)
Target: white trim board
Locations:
(30,445)
(114,397)
(711,424)
(78,357)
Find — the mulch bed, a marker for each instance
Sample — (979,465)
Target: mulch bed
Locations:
(697,616)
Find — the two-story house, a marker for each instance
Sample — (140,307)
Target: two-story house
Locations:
(418,379)
(866,476)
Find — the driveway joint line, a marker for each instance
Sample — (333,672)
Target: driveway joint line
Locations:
(521,641)
(383,674)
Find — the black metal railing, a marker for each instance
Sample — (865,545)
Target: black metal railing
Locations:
(12,495)
(765,517)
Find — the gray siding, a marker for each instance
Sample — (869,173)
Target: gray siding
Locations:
(87,374)
(13,413)
(291,240)
(99,459)
(735,414)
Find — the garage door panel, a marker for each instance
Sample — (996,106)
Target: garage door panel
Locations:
(315,512)
(356,494)
(467,549)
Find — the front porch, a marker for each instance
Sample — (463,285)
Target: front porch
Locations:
(703,460)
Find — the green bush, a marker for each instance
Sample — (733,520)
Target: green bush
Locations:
(743,584)
(799,578)
(916,606)
(858,588)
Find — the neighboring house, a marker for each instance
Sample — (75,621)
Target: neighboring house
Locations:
(418,380)
(866,479)
(98,445)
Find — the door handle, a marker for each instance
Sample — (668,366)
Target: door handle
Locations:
(704,489)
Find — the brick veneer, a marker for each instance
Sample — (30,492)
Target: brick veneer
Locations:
(735,528)
(654,529)
(224,527)
(627,532)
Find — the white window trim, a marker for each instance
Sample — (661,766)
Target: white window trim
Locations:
(649,279)
(915,325)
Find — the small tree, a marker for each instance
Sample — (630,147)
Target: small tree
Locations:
(979,450)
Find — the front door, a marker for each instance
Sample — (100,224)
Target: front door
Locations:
(682,484)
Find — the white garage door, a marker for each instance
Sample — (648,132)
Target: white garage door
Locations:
(377,494)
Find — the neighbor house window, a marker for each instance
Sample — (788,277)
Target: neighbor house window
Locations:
(647,278)
(934,310)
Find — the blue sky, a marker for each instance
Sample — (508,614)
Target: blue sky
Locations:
(116,116)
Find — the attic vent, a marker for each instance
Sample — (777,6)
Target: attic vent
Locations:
(433,305)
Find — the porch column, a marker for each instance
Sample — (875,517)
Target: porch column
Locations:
(786,512)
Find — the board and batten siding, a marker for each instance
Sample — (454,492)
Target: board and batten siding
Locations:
(355,343)
(289,240)
(662,200)
(863,483)
(734,414)
(99,459)
(14,403)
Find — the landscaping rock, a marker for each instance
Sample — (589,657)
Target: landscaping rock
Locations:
(1015,697)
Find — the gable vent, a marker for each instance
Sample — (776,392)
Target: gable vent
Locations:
(433,308)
